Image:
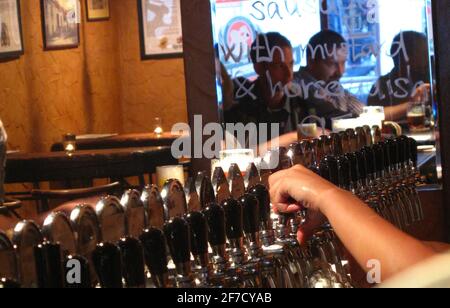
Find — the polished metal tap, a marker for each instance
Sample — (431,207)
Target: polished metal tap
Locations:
(154,245)
(177,232)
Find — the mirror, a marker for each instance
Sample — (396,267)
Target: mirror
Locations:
(317,61)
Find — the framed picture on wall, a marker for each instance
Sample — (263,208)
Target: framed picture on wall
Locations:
(160,29)
(11,41)
(97,10)
(60,24)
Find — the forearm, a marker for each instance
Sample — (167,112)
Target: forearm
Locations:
(369,237)
(395,113)
(282,141)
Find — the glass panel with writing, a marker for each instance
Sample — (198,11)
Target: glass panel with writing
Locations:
(344,56)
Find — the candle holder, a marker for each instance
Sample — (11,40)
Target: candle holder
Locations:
(70,143)
(157,127)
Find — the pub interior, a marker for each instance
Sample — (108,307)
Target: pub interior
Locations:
(274,144)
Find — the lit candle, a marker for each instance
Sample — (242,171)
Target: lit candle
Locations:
(69,143)
(157,125)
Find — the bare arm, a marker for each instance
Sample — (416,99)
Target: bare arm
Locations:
(365,234)
(399,112)
(395,113)
(284,141)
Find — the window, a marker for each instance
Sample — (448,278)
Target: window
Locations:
(368,25)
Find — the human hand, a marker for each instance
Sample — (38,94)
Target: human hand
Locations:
(421,93)
(297,188)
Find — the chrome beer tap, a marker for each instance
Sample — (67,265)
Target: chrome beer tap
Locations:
(263,268)
(154,245)
(199,248)
(215,217)
(133,262)
(178,235)
(292,269)
(108,265)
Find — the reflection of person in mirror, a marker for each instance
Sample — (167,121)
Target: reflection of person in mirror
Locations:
(264,100)
(5,40)
(318,84)
(409,79)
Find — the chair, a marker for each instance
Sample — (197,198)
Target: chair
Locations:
(9,207)
(72,194)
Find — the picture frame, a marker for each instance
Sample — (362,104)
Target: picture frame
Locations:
(60,24)
(97,10)
(160,29)
(11,38)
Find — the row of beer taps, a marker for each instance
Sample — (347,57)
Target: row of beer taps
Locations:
(220,231)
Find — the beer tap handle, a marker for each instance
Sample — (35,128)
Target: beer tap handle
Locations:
(133,262)
(393,153)
(387,155)
(336,144)
(361,137)
(178,237)
(234,216)
(199,234)
(370,160)
(368,132)
(108,265)
(251,213)
(295,153)
(205,190)
(413,151)
(354,170)
(362,166)
(154,244)
(220,185)
(262,194)
(402,150)
(379,159)
(49,265)
(252,177)
(236,181)
(344,172)
(215,216)
(324,170)
(331,163)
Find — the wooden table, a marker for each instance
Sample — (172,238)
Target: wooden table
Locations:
(86,165)
(120,141)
